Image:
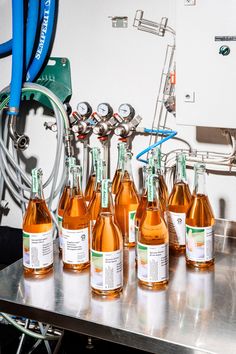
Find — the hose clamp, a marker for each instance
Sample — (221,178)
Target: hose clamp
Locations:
(13,111)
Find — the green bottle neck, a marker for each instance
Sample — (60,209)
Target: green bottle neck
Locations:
(37,185)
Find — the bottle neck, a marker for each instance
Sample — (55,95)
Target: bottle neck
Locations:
(145,176)
(181,175)
(37,185)
(75,181)
(151,164)
(70,162)
(158,161)
(200,181)
(152,191)
(121,155)
(95,156)
(106,199)
(100,169)
(128,174)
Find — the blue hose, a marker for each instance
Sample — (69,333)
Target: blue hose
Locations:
(31,29)
(17,55)
(44,40)
(170,134)
(5,48)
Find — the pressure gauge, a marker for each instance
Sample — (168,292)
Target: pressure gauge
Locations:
(84,109)
(104,110)
(126,111)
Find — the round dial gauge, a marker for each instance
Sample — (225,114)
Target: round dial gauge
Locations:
(104,110)
(126,110)
(84,109)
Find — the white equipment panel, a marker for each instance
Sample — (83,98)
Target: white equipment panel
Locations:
(206,63)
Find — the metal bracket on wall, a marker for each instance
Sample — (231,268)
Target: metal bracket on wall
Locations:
(119,21)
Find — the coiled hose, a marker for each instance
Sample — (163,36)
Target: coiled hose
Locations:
(8,163)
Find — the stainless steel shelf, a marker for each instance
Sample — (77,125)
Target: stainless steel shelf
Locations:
(196,314)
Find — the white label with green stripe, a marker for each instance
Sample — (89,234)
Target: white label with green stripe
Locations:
(75,246)
(153,262)
(59,220)
(105,194)
(176,226)
(37,249)
(106,270)
(199,243)
(35,180)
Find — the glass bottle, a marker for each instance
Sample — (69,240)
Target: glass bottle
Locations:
(75,226)
(153,243)
(122,147)
(95,203)
(199,224)
(70,162)
(90,187)
(179,201)
(37,231)
(142,205)
(126,203)
(162,187)
(106,250)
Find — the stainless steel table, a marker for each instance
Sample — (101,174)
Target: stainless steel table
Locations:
(196,314)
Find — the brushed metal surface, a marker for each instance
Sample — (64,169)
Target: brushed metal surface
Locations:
(195,314)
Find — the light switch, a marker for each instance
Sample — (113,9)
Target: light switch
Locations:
(189,2)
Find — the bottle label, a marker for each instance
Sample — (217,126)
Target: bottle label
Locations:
(106,270)
(153,262)
(132,226)
(37,249)
(75,246)
(105,189)
(177,228)
(122,149)
(59,220)
(150,188)
(35,180)
(199,243)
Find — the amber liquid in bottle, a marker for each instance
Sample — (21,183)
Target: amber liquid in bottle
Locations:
(37,220)
(90,187)
(179,201)
(76,217)
(153,232)
(95,203)
(162,187)
(126,204)
(141,208)
(200,215)
(91,184)
(122,147)
(116,181)
(163,193)
(65,196)
(106,238)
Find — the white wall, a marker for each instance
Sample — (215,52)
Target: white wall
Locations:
(110,65)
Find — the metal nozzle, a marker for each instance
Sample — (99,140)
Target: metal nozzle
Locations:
(21,142)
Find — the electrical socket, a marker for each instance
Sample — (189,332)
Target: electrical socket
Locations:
(189,97)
